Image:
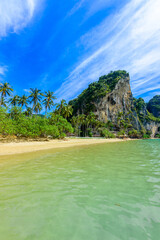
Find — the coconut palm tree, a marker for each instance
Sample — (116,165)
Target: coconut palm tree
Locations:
(90,120)
(60,106)
(35,97)
(28,112)
(74,121)
(3,102)
(75,124)
(23,101)
(67,111)
(37,108)
(5,90)
(48,100)
(81,121)
(14,100)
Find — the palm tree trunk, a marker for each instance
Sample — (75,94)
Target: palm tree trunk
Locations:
(46,112)
(1,101)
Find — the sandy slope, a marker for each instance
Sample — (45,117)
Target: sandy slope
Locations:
(24,147)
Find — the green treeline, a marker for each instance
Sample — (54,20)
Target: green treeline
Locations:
(21,116)
(18,124)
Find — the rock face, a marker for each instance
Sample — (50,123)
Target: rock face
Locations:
(117,105)
(154,106)
(119,100)
(153,127)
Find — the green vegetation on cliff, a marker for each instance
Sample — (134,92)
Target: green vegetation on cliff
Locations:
(84,103)
(153,106)
(144,112)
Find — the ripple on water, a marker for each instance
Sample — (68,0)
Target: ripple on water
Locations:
(108,191)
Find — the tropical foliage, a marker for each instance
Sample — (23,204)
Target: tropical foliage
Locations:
(153,106)
(36,114)
(17,123)
(20,115)
(85,102)
(5,90)
(48,100)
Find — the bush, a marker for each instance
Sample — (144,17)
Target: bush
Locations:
(145,136)
(106,133)
(121,133)
(16,123)
(157,135)
(134,134)
(89,130)
(110,125)
(63,125)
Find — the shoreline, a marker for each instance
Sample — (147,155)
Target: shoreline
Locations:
(12,148)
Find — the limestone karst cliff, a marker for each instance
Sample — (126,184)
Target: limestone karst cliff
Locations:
(119,100)
(111,100)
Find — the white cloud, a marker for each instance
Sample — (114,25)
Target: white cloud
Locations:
(16,14)
(3,70)
(90,7)
(128,40)
(76,7)
(26,90)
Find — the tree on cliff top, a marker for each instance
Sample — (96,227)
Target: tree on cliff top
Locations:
(84,103)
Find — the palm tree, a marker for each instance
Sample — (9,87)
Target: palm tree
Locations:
(48,100)
(75,124)
(67,111)
(90,119)
(37,108)
(74,121)
(60,106)
(28,112)
(14,100)
(81,121)
(5,90)
(23,101)
(3,102)
(35,97)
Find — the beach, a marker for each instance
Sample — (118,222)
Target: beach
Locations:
(33,146)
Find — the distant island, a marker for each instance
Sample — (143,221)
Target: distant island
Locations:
(106,109)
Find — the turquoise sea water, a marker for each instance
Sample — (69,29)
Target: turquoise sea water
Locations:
(97,192)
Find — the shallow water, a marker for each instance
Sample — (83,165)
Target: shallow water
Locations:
(100,192)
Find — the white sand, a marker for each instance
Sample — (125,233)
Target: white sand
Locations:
(25,147)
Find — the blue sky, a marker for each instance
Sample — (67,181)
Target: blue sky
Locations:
(65,45)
